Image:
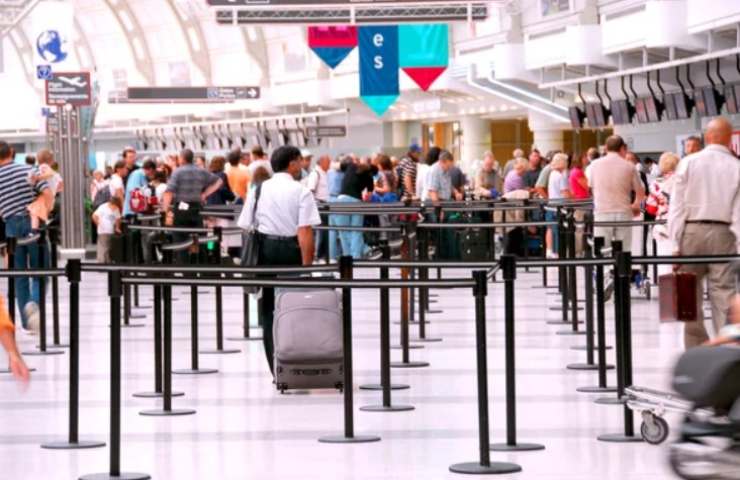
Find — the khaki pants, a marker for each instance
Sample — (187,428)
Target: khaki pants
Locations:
(609,234)
(708,239)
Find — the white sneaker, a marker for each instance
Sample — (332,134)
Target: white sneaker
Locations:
(31,310)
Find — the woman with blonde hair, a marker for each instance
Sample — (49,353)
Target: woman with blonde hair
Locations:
(658,203)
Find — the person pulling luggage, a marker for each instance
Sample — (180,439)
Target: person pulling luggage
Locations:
(284,212)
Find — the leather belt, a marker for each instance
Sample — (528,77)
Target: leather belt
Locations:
(709,222)
(278,238)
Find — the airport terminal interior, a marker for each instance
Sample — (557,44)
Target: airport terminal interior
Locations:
(364,239)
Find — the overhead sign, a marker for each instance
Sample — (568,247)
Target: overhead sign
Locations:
(66,88)
(379,79)
(303,3)
(332,44)
(193,94)
(52,28)
(423,52)
(327,131)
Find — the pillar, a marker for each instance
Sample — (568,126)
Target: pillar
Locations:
(547,132)
(400,134)
(475,141)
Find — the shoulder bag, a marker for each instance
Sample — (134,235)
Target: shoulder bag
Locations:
(251,244)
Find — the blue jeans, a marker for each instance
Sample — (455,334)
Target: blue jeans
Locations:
(334,252)
(553,217)
(353,243)
(26,256)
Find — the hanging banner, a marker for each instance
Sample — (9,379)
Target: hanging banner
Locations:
(424,52)
(332,44)
(51,35)
(379,67)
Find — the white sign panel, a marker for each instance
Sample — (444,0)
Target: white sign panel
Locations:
(51,35)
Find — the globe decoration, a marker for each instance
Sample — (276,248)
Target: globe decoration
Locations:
(51,46)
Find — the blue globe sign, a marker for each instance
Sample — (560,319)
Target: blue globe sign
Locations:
(51,46)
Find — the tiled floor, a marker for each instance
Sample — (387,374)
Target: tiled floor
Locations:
(244,429)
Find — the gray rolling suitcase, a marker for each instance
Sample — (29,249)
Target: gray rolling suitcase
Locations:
(308,340)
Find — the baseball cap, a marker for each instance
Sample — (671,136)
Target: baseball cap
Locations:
(415,148)
(306,153)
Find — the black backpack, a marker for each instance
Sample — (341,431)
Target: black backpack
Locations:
(101,197)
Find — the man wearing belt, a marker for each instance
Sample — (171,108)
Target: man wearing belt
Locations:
(285,215)
(704,219)
(186,192)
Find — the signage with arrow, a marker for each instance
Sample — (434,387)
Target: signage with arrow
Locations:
(193,94)
(327,131)
(69,88)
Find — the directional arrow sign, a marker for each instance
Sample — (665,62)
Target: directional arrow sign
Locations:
(327,131)
(69,88)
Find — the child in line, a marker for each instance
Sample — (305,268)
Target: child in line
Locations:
(108,220)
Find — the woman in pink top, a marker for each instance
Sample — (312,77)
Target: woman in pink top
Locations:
(578,182)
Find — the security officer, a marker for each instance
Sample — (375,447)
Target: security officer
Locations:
(285,215)
(704,219)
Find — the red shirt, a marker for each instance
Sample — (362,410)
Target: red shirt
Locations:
(576,188)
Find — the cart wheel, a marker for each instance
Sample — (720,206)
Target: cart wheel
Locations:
(655,431)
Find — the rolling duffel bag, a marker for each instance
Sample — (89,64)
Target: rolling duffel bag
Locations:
(308,340)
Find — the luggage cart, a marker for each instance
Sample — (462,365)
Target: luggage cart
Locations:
(652,405)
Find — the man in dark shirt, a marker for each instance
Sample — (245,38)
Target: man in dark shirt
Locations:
(129,158)
(357,180)
(535,168)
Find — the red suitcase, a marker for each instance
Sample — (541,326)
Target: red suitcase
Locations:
(677,297)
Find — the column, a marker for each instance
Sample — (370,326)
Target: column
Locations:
(475,141)
(548,132)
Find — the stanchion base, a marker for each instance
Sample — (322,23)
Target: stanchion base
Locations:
(376,387)
(542,287)
(409,365)
(79,445)
(39,353)
(122,476)
(596,389)
(141,307)
(244,339)
(586,366)
(136,316)
(435,312)
(7,370)
(619,438)
(411,347)
(610,401)
(583,348)
(55,345)
(495,468)
(560,309)
(519,447)
(220,352)
(426,340)
(570,332)
(132,325)
(393,408)
(343,439)
(190,371)
(156,394)
(167,413)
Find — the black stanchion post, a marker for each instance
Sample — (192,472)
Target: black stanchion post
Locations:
(41,253)
(624,347)
(508,269)
(11,244)
(74,276)
(128,257)
(114,471)
(572,275)
(345,270)
(167,394)
(220,350)
(54,258)
(424,291)
(385,349)
(483,466)
(562,273)
(601,347)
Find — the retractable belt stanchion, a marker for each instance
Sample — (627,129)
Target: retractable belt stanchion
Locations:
(562,275)
(624,347)
(73,271)
(508,268)
(406,252)
(616,400)
(167,409)
(385,350)
(424,291)
(345,270)
(10,245)
(128,257)
(219,350)
(385,336)
(600,327)
(543,239)
(54,258)
(114,470)
(483,466)
(40,245)
(572,276)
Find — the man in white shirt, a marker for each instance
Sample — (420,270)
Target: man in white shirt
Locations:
(259,160)
(704,219)
(284,212)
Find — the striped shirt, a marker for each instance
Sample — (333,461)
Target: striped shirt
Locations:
(16,191)
(408,168)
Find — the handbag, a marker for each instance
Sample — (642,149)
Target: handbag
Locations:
(251,245)
(678,297)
